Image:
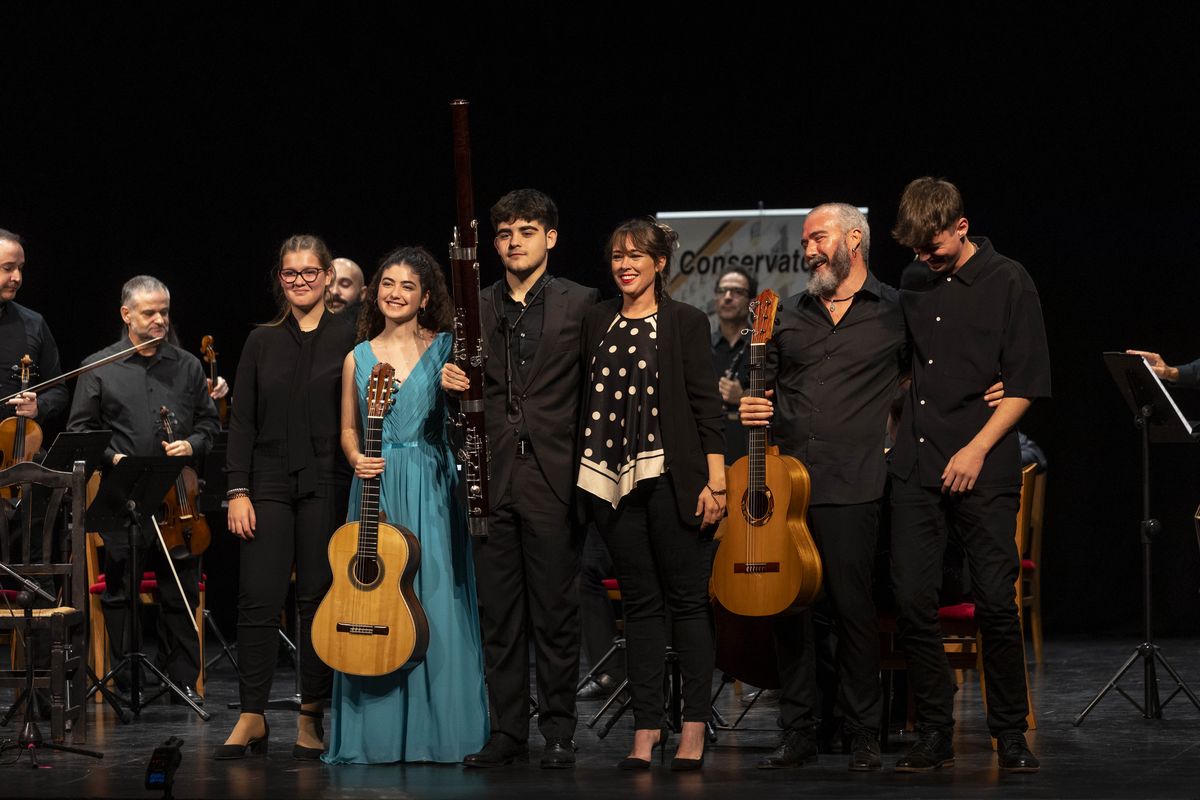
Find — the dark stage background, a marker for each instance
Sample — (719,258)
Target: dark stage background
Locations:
(188,144)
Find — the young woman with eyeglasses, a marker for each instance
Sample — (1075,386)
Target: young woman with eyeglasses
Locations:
(288,487)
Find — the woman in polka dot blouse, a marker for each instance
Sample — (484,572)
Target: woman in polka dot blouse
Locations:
(652,475)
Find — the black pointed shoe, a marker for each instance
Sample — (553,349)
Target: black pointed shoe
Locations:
(302,753)
(934,750)
(796,746)
(1014,754)
(256,746)
(500,750)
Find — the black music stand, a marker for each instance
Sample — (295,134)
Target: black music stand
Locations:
(1160,421)
(134,484)
(86,446)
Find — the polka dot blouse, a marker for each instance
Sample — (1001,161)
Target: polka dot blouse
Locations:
(622,438)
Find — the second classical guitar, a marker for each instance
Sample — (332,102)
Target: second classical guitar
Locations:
(767,562)
(370,622)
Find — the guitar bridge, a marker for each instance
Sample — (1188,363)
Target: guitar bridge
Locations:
(362,630)
(755,567)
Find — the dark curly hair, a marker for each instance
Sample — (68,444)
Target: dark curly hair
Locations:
(438,314)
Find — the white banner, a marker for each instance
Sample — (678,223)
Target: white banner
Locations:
(764,242)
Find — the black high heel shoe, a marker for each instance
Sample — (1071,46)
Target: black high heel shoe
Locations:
(256,746)
(301,753)
(688,764)
(664,734)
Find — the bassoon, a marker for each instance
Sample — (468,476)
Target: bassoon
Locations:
(468,332)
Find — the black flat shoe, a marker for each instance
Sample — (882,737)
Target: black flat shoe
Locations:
(302,753)
(864,753)
(796,746)
(934,750)
(500,751)
(559,754)
(256,746)
(1015,756)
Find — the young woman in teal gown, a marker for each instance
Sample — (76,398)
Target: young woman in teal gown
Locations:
(437,710)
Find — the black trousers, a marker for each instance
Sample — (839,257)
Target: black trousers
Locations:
(984,519)
(180,643)
(289,531)
(596,610)
(663,566)
(527,576)
(846,537)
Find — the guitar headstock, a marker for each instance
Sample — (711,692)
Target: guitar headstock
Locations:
(762,316)
(379,389)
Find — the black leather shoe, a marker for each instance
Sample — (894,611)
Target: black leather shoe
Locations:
(795,748)
(302,753)
(559,754)
(934,750)
(864,753)
(190,692)
(597,688)
(1015,756)
(500,751)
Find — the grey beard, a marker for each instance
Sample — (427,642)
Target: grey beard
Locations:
(823,284)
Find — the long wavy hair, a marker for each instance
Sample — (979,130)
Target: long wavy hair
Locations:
(438,314)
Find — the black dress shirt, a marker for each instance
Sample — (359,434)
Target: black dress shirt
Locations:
(126,395)
(732,361)
(24,331)
(982,323)
(834,386)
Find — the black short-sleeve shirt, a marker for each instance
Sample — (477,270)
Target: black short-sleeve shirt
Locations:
(981,323)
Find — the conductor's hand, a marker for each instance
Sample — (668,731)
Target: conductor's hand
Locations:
(454,379)
(241,518)
(1157,364)
(365,467)
(179,447)
(994,394)
(756,411)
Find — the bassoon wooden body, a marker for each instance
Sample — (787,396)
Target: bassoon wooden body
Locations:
(468,331)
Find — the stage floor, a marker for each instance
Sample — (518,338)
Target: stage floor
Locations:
(1115,753)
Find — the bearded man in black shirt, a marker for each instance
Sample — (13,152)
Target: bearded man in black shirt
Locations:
(956,465)
(125,396)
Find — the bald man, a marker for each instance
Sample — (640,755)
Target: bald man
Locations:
(346,291)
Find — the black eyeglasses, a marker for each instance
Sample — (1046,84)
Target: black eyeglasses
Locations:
(736,290)
(309,275)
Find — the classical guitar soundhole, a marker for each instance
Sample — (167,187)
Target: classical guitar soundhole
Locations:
(757,506)
(365,572)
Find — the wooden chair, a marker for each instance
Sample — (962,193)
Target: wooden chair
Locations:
(1031,561)
(99,653)
(63,626)
(961,637)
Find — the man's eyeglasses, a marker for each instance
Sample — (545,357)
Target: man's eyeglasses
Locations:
(737,291)
(309,275)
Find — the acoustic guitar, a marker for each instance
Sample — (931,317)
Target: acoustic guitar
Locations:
(370,622)
(767,562)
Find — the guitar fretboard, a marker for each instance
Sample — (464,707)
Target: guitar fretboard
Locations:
(368,505)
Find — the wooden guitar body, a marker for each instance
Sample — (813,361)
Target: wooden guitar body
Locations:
(184,530)
(767,562)
(370,622)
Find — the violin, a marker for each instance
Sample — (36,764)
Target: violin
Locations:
(20,437)
(209,356)
(184,529)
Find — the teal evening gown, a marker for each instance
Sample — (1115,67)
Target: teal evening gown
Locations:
(436,711)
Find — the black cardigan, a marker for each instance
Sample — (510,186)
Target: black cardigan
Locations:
(691,418)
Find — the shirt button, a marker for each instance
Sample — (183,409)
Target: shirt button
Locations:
(921,440)
(930,361)
(947,280)
(522,336)
(922,402)
(936,319)
(813,436)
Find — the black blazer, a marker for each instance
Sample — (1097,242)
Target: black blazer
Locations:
(691,418)
(550,397)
